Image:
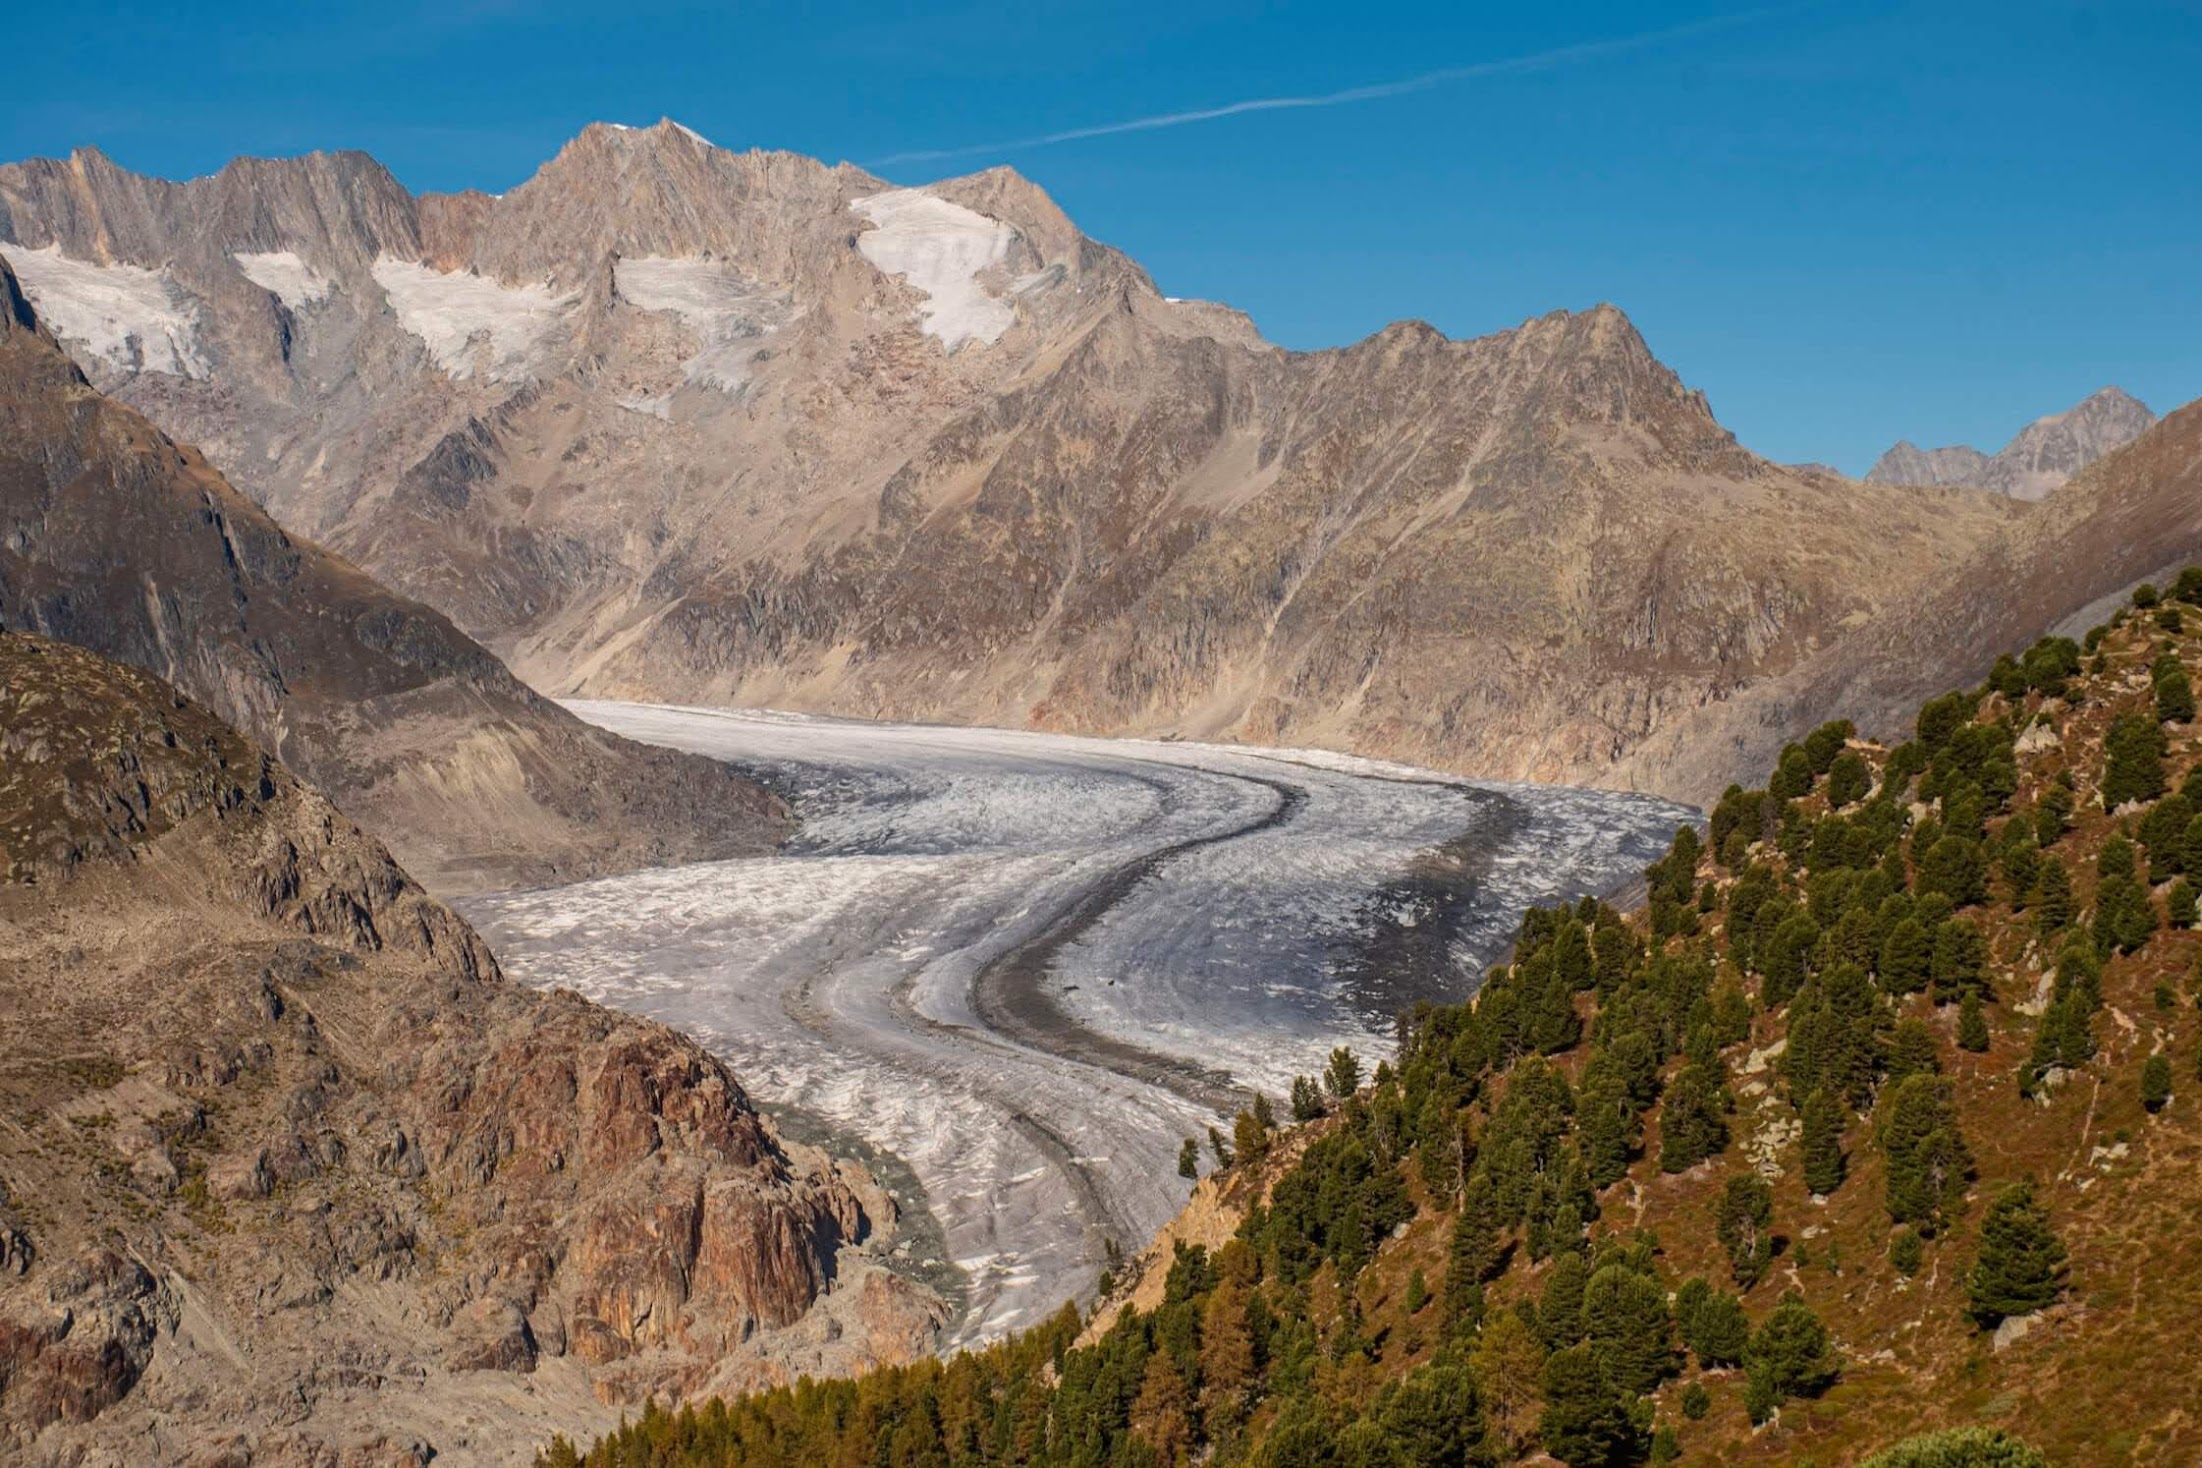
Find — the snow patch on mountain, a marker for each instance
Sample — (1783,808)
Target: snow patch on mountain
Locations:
(125,316)
(730,314)
(472,324)
(282,274)
(941,249)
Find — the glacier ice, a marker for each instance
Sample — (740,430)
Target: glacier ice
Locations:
(838,974)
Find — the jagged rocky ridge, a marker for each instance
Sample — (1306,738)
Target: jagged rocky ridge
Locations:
(291,1174)
(115,537)
(672,421)
(2041,457)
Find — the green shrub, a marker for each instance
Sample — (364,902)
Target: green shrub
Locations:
(1962,1447)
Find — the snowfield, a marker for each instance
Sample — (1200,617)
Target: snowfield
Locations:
(282,274)
(941,249)
(729,315)
(1032,964)
(515,325)
(131,318)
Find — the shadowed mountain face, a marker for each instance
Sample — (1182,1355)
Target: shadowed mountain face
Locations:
(292,1175)
(114,537)
(675,422)
(2046,453)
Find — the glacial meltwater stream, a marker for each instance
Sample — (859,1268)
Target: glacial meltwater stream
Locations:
(1031,964)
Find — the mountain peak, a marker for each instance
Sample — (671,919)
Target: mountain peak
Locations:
(2039,458)
(664,130)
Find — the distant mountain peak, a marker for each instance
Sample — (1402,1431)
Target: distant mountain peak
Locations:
(2038,459)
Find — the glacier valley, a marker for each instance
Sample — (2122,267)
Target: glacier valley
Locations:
(1028,965)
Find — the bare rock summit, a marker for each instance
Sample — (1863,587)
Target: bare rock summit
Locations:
(2044,454)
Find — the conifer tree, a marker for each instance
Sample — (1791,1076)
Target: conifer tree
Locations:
(1955,867)
(1789,1356)
(1792,776)
(1960,960)
(1907,957)
(2156,1082)
(1912,1050)
(1560,1307)
(1744,1225)
(2181,905)
(2133,760)
(1628,1327)
(1783,959)
(1188,1159)
(1587,1422)
(1714,1326)
(1848,779)
(1227,1359)
(2052,896)
(1475,1250)
(1342,1077)
(1508,1363)
(2125,917)
(1972,1025)
(2174,693)
(1928,1161)
(1249,1138)
(1824,745)
(2021,1267)
(1691,1126)
(1307,1099)
(1434,1417)
(1824,1162)
(1605,1120)
(2163,831)
(1162,1417)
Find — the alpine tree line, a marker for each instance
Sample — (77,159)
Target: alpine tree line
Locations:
(1837,906)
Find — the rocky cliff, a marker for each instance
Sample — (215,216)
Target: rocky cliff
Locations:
(672,421)
(2043,455)
(290,1174)
(115,537)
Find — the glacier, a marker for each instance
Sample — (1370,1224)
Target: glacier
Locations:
(942,249)
(1031,964)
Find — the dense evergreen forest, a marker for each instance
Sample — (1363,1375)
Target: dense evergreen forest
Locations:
(1868,1138)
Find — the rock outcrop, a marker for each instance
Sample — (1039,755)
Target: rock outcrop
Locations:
(115,537)
(675,422)
(291,1174)
(2044,455)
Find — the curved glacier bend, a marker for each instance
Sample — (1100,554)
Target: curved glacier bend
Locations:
(1031,964)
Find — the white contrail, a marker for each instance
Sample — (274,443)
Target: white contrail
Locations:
(1537,61)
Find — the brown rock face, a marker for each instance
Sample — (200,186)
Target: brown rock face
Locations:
(676,422)
(289,1167)
(113,537)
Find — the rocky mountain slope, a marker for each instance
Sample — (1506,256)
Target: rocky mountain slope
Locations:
(114,537)
(290,1174)
(672,421)
(1875,1122)
(2044,454)
(2134,515)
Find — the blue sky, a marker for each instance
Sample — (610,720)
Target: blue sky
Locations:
(1848,223)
